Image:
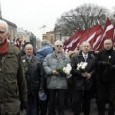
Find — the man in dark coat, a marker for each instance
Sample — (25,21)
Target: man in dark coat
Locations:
(106,78)
(83,79)
(12,81)
(34,76)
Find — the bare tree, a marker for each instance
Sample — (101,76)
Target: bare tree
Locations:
(81,18)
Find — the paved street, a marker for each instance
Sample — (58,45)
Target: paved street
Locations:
(93,109)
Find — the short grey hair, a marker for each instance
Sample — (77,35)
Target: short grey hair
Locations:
(5,23)
(58,42)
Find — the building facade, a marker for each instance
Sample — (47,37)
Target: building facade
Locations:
(50,36)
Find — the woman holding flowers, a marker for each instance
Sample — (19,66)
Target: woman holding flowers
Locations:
(57,69)
(83,69)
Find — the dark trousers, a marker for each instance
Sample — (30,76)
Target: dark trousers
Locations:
(81,102)
(43,107)
(56,99)
(101,108)
(10,114)
(33,104)
(105,94)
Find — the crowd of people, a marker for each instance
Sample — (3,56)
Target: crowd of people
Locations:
(42,83)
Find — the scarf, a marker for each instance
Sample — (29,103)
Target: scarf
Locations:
(4,48)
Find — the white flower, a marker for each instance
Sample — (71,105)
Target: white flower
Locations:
(109,57)
(24,61)
(81,66)
(84,65)
(67,69)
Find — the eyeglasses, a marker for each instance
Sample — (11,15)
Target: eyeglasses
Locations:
(59,46)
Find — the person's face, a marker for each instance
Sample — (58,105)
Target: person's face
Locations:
(58,48)
(86,47)
(3,33)
(29,50)
(108,44)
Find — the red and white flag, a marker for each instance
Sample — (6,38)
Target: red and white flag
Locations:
(70,40)
(76,41)
(114,34)
(107,34)
(90,34)
(69,43)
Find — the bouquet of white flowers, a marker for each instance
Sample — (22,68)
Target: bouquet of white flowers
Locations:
(82,66)
(66,70)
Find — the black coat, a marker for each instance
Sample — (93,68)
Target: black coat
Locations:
(33,72)
(80,82)
(106,66)
(106,75)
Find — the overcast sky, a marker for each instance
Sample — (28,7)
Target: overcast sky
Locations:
(31,15)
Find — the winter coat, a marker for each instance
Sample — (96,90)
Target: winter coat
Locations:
(106,75)
(106,66)
(33,70)
(81,83)
(12,82)
(43,52)
(51,62)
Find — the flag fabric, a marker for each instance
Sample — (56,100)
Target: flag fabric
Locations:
(107,34)
(114,34)
(76,41)
(70,39)
(97,41)
(90,34)
(97,38)
(94,35)
(69,43)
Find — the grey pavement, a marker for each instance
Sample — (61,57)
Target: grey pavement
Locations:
(93,109)
(68,112)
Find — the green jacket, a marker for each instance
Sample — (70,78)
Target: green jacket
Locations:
(12,82)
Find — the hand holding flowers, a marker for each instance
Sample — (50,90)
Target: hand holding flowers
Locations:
(66,70)
(82,67)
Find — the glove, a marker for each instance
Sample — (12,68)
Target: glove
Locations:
(23,105)
(113,67)
(103,63)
